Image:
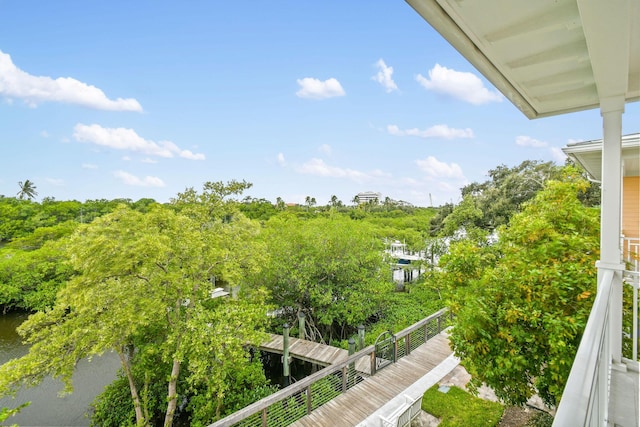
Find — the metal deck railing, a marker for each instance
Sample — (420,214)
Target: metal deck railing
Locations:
(586,397)
(301,398)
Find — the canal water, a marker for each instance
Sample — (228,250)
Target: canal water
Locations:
(47,409)
(298,369)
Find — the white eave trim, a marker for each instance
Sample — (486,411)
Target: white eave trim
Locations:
(440,20)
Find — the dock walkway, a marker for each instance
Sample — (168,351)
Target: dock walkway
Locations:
(308,351)
(358,389)
(356,405)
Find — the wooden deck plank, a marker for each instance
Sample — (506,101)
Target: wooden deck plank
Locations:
(306,350)
(363,399)
(625,397)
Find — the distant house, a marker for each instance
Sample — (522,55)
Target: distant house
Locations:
(408,265)
(369,196)
(589,155)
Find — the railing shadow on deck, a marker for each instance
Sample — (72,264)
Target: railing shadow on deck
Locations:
(294,402)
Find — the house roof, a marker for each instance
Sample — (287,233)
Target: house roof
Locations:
(547,57)
(589,155)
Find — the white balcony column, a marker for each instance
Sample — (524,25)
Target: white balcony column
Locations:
(611,215)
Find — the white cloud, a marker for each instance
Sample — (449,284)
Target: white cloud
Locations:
(439,170)
(437,131)
(187,154)
(461,85)
(527,141)
(317,89)
(380,173)
(55,181)
(147,181)
(558,155)
(319,168)
(281,159)
(149,160)
(128,139)
(44,134)
(15,83)
(325,149)
(89,166)
(384,76)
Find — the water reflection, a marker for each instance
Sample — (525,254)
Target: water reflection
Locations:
(46,408)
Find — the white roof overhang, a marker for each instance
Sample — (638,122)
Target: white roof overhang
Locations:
(589,155)
(547,57)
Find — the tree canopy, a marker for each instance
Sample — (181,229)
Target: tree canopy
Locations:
(332,269)
(490,204)
(142,286)
(137,277)
(522,304)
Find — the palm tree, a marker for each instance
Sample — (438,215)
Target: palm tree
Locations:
(310,202)
(27,189)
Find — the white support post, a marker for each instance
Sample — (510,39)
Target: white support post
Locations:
(611,215)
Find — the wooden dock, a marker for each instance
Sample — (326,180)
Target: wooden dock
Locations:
(354,406)
(308,351)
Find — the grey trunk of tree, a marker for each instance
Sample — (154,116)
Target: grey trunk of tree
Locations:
(140,419)
(172,394)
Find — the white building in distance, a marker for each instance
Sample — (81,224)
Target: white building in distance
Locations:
(368,196)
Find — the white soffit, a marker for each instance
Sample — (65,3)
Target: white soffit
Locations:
(547,56)
(589,155)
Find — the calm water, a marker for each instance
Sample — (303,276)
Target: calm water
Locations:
(47,409)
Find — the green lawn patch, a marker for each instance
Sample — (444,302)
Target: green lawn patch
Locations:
(457,408)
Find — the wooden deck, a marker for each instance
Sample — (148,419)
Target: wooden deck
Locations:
(358,403)
(309,351)
(625,397)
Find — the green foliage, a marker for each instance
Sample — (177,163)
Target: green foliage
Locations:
(17,217)
(457,408)
(330,268)
(520,319)
(32,261)
(465,216)
(142,287)
(42,235)
(6,413)
(246,384)
(436,224)
(113,407)
(20,218)
(260,209)
(402,309)
(486,206)
(591,196)
(27,190)
(409,226)
(29,280)
(540,419)
(465,263)
(627,321)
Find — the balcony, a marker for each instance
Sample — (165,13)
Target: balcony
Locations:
(537,54)
(602,390)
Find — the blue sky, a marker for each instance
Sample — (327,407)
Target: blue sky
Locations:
(137,99)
